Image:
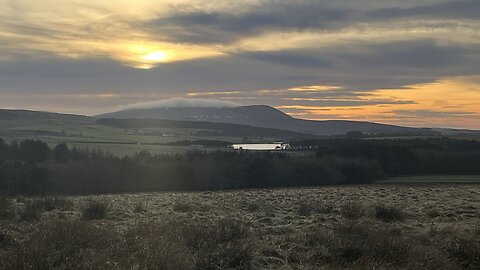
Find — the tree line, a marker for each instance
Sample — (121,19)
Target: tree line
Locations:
(31,167)
(406,156)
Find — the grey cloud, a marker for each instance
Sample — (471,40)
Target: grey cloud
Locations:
(355,67)
(222,27)
(213,27)
(463,9)
(183,103)
(293,59)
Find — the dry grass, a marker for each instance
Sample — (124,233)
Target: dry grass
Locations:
(360,227)
(388,213)
(182,206)
(352,210)
(95,210)
(7,210)
(74,244)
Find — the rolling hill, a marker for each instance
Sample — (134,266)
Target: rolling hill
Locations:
(265,116)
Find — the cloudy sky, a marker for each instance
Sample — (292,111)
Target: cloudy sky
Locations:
(406,62)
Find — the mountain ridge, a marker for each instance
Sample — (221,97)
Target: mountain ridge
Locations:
(265,116)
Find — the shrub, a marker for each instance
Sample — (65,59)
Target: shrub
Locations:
(388,213)
(95,210)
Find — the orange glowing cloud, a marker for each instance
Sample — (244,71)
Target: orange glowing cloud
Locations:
(453,102)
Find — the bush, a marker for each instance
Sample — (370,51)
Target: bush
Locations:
(389,213)
(95,210)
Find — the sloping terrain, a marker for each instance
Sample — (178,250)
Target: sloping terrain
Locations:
(265,116)
(127,136)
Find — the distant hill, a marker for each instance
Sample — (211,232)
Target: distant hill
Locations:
(36,115)
(23,123)
(268,117)
(206,129)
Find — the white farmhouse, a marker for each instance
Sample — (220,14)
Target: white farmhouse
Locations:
(262,146)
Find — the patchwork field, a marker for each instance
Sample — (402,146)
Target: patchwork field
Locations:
(348,227)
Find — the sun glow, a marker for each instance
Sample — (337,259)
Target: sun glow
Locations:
(156,57)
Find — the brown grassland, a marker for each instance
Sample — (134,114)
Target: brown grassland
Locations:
(347,227)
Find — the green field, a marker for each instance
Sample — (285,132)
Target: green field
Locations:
(457,179)
(118,141)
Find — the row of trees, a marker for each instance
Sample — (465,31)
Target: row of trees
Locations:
(407,157)
(33,151)
(30,167)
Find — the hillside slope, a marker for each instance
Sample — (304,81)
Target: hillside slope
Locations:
(264,116)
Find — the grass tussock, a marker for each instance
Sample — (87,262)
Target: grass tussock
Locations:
(139,208)
(466,251)
(252,206)
(352,210)
(33,208)
(7,209)
(227,244)
(310,207)
(305,208)
(95,210)
(53,203)
(31,211)
(183,206)
(388,213)
(5,240)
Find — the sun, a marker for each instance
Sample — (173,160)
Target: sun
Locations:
(155,56)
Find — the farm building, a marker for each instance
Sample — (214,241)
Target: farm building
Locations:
(262,146)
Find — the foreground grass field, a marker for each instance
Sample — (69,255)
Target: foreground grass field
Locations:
(349,227)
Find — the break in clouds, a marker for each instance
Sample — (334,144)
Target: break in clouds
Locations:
(380,56)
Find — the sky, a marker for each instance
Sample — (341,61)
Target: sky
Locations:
(403,62)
